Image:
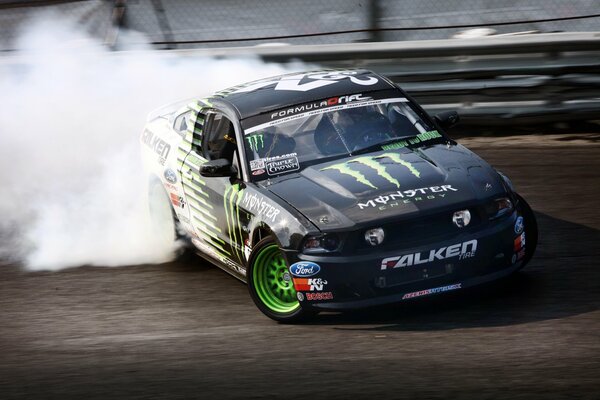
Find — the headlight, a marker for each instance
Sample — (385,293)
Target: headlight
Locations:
(375,236)
(320,243)
(499,207)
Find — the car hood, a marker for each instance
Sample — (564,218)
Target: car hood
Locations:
(389,185)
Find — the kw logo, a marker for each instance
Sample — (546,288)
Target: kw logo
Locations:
(231,201)
(256,142)
(375,164)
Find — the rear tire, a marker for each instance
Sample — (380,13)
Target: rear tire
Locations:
(270,284)
(164,223)
(531,230)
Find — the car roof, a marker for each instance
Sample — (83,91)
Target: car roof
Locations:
(264,95)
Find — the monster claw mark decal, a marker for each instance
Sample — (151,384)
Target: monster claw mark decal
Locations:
(256,142)
(231,200)
(375,164)
(372,163)
(345,169)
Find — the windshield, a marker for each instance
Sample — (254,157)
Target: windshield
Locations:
(289,139)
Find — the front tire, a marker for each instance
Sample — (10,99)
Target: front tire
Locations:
(271,286)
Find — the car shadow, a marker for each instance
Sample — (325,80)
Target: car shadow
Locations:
(562,280)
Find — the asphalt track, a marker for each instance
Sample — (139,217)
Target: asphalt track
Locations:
(188,330)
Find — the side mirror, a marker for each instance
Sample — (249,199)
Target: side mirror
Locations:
(217,168)
(447,119)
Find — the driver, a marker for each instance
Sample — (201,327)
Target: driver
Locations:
(351,129)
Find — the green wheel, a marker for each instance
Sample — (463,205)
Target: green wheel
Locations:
(271,286)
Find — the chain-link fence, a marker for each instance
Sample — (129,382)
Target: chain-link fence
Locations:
(224,23)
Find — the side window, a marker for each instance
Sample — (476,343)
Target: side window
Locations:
(220,139)
(182,122)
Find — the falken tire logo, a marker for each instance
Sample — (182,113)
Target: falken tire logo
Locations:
(375,164)
(304,269)
(461,250)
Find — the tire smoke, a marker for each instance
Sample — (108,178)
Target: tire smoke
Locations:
(73,191)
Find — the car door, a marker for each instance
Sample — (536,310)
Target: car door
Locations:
(214,201)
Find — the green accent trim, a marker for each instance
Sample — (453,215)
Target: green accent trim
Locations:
(277,294)
(197,191)
(229,202)
(395,157)
(207,102)
(343,168)
(210,240)
(197,207)
(200,217)
(377,165)
(381,171)
(201,221)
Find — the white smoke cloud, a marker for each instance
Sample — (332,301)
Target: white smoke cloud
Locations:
(73,192)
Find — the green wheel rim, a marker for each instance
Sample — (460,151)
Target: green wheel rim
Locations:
(272,281)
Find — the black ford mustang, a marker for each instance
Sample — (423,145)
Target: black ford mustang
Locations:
(332,190)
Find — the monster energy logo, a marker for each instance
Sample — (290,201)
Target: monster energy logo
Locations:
(373,163)
(231,202)
(421,137)
(256,142)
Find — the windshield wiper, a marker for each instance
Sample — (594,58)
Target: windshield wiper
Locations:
(377,146)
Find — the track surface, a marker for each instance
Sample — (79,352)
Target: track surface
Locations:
(186,329)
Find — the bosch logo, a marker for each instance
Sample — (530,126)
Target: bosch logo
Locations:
(304,269)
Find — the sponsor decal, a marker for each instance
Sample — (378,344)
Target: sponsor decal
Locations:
(309,284)
(397,198)
(247,249)
(519,225)
(431,291)
(421,137)
(282,165)
(307,82)
(256,142)
(257,164)
(170,176)
(158,145)
(461,250)
(324,110)
(519,242)
(259,205)
(319,296)
(177,200)
(258,172)
(211,251)
(374,163)
(231,202)
(304,269)
(521,254)
(300,296)
(334,101)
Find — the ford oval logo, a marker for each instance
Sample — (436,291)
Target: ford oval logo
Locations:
(170,175)
(519,225)
(304,269)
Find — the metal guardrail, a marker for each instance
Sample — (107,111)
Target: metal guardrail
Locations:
(496,80)
(491,81)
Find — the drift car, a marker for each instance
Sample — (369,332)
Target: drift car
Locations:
(332,190)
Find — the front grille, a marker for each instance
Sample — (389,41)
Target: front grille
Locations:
(420,230)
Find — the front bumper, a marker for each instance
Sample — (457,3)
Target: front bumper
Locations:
(349,282)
